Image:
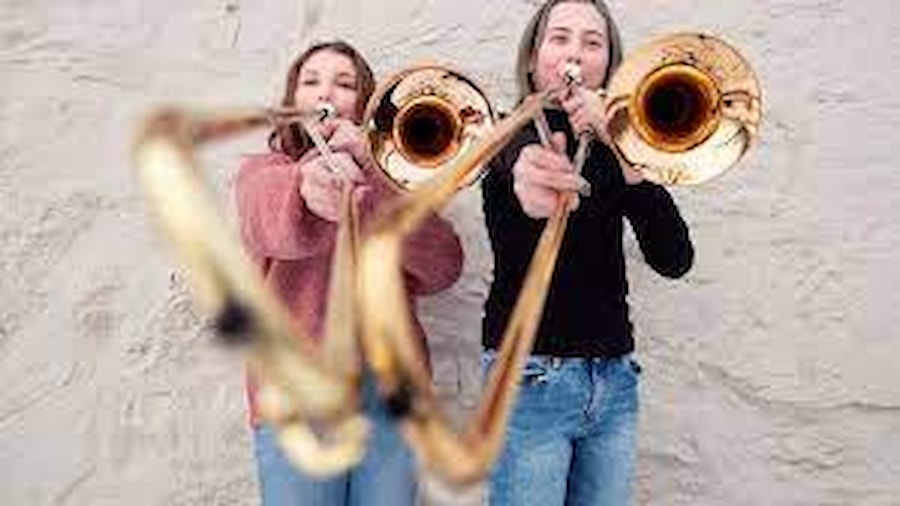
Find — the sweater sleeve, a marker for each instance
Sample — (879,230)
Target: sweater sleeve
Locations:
(432,257)
(661,232)
(274,221)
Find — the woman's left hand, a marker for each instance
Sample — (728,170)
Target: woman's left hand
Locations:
(348,137)
(586,110)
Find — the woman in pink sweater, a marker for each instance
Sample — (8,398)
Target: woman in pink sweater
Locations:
(288,205)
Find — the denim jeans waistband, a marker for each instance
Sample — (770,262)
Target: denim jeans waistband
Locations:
(557,362)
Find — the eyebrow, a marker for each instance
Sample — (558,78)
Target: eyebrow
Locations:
(568,30)
(315,73)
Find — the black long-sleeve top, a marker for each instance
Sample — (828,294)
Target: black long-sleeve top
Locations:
(586,314)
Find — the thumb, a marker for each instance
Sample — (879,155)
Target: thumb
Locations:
(559,142)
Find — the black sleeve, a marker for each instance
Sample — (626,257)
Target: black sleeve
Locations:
(660,230)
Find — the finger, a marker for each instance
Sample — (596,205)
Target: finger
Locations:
(310,171)
(328,171)
(547,159)
(553,180)
(327,127)
(559,142)
(348,168)
(319,190)
(572,102)
(580,122)
(344,131)
(529,157)
(318,173)
(536,204)
(633,174)
(324,207)
(323,129)
(561,94)
(349,139)
(573,201)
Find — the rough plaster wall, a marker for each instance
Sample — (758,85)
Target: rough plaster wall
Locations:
(770,370)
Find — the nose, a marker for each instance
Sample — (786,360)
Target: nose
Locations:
(326,93)
(576,55)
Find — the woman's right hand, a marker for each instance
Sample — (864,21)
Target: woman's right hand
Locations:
(542,176)
(321,188)
(348,137)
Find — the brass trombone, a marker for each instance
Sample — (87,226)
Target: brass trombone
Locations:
(683,109)
(309,394)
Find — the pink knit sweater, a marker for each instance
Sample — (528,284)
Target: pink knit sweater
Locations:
(293,247)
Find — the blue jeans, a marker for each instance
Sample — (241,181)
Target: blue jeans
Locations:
(385,477)
(571,440)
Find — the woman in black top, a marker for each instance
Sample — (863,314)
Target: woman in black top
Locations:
(572,438)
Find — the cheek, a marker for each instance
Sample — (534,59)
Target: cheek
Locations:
(305,97)
(546,69)
(594,70)
(345,101)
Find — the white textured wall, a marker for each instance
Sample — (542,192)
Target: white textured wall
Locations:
(770,371)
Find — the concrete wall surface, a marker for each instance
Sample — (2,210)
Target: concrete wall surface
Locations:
(770,370)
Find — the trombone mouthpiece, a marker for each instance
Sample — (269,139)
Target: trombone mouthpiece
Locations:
(572,74)
(325,110)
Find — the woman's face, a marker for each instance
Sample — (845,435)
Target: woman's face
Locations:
(576,33)
(328,77)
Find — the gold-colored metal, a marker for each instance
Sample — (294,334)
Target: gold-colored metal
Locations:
(668,119)
(310,395)
(683,108)
(422,120)
(389,340)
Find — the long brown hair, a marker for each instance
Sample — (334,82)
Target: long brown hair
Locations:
(291,140)
(534,34)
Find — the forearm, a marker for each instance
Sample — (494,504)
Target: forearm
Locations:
(660,230)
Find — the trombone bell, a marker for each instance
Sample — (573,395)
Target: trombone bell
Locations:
(684,108)
(426,131)
(422,121)
(675,108)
